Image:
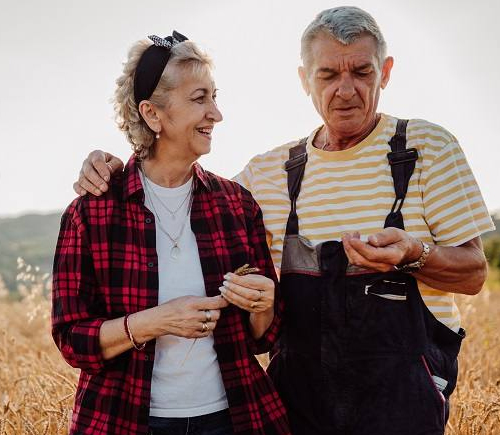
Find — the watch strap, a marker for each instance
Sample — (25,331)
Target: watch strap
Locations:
(415,266)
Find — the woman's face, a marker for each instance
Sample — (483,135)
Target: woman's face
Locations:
(188,118)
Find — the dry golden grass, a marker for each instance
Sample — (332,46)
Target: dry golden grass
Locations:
(476,401)
(37,386)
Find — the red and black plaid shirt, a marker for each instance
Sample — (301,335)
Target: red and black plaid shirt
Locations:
(106,266)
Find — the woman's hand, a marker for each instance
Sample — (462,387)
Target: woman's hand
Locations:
(252,293)
(96,172)
(186,316)
(183,317)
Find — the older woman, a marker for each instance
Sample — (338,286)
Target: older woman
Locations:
(139,271)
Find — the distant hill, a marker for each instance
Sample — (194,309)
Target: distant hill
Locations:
(496,233)
(33,237)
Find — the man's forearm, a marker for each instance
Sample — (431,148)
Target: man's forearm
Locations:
(460,269)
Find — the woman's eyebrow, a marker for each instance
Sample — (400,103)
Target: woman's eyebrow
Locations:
(204,90)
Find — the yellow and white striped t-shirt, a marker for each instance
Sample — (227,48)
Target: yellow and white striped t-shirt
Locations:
(352,190)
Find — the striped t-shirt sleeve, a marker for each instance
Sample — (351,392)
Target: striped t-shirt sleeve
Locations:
(243,178)
(454,208)
(246,178)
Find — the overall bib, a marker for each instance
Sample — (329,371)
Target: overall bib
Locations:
(360,353)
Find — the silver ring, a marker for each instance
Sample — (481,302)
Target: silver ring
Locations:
(204,327)
(208,315)
(109,166)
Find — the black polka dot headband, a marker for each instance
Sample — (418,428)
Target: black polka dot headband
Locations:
(152,63)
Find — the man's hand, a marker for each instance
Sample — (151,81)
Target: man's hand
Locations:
(383,250)
(457,269)
(96,172)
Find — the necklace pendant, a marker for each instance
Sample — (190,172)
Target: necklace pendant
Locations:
(175,252)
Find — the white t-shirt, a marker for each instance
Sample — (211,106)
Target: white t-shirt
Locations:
(192,386)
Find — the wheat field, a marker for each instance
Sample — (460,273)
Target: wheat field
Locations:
(37,386)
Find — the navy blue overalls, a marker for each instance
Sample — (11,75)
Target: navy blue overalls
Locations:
(360,353)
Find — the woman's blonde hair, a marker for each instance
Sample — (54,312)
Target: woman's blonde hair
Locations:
(185,55)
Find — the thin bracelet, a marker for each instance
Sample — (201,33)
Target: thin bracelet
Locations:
(130,336)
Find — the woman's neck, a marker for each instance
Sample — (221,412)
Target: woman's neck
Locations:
(168,171)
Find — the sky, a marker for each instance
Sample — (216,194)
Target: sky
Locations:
(60,59)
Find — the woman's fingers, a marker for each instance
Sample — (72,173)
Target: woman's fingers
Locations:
(251,281)
(208,315)
(251,305)
(236,299)
(209,303)
(195,329)
(253,293)
(186,315)
(200,331)
(209,326)
(246,293)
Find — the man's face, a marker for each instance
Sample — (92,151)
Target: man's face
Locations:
(344,82)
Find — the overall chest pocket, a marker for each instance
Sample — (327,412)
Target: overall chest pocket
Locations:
(379,314)
(390,290)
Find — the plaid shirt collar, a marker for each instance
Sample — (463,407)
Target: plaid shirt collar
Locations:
(132,185)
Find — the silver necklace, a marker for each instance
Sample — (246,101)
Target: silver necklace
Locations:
(172,213)
(175,251)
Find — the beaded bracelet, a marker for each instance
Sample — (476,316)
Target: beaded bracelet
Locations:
(130,336)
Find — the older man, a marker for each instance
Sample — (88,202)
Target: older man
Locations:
(375,224)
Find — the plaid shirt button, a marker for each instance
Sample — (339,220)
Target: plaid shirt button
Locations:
(151,264)
(149,220)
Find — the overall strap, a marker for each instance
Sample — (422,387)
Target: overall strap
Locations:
(402,162)
(295,167)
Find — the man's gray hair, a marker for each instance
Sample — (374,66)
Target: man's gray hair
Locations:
(346,24)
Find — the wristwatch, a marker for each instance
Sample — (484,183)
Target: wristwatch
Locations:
(415,266)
